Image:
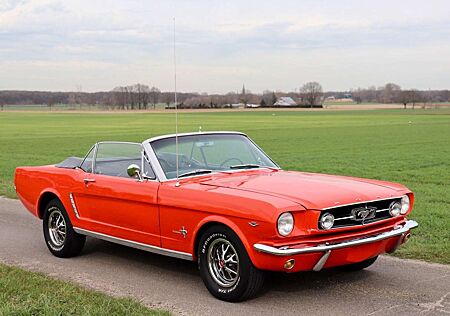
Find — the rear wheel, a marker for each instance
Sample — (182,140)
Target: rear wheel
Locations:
(225,267)
(359,265)
(60,238)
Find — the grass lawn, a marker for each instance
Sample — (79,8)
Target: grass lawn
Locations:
(407,146)
(28,293)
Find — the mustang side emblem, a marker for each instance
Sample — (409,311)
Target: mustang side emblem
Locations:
(360,214)
(182,231)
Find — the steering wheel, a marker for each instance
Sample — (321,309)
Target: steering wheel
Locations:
(231,159)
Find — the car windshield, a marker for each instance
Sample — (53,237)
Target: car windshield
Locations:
(206,153)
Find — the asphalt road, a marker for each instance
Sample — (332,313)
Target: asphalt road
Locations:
(391,286)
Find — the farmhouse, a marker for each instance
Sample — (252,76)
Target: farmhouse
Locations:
(285,101)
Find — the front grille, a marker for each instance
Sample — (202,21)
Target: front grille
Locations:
(346,215)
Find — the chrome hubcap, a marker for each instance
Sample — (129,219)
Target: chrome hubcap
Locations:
(223,262)
(56,227)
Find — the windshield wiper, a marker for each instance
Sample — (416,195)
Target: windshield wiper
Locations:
(195,172)
(245,166)
(252,166)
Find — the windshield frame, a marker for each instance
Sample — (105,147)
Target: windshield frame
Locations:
(161,174)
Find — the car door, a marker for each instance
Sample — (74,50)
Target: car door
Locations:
(111,202)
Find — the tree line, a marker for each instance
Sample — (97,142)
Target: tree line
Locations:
(141,96)
(393,93)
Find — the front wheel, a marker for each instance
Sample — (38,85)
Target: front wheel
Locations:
(225,267)
(60,238)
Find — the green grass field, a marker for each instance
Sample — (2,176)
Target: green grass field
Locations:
(28,293)
(407,146)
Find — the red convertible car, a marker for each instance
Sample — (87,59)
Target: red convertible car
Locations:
(218,199)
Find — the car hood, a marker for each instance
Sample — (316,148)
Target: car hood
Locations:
(311,190)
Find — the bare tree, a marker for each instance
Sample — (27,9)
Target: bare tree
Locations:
(167,98)
(120,97)
(145,98)
(312,93)
(269,97)
(231,98)
(155,94)
(404,97)
(358,95)
(50,103)
(415,97)
(390,92)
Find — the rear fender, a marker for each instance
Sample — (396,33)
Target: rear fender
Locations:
(45,197)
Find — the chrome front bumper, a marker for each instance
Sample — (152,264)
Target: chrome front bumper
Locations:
(327,248)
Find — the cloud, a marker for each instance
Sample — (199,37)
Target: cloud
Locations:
(265,44)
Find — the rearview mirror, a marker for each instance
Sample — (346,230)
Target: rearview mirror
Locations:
(134,171)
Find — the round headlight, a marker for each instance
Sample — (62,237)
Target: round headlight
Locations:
(285,224)
(395,208)
(327,221)
(405,204)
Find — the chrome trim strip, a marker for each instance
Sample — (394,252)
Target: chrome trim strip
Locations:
(319,265)
(362,202)
(89,151)
(191,134)
(94,157)
(377,222)
(157,169)
(350,217)
(398,230)
(117,142)
(74,206)
(341,218)
(135,244)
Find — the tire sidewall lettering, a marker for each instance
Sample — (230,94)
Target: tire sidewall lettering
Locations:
(204,249)
(230,290)
(211,237)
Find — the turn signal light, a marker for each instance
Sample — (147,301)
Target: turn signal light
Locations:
(288,265)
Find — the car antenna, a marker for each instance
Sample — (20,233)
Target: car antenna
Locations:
(177,184)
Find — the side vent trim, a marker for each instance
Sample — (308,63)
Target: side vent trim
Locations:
(74,206)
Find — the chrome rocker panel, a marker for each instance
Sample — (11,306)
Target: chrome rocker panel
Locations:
(135,244)
(327,248)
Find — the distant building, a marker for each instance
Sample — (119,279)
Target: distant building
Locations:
(252,105)
(285,101)
(348,96)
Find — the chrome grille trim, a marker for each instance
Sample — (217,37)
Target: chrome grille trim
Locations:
(362,202)
(344,217)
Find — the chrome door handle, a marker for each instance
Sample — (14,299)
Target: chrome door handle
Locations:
(87,180)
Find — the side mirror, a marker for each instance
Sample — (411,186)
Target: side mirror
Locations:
(134,171)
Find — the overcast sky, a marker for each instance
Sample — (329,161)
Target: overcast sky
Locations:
(278,45)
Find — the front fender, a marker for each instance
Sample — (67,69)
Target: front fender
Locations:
(240,226)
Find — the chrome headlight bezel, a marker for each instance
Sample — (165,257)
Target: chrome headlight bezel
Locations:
(406,204)
(285,224)
(322,221)
(395,209)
